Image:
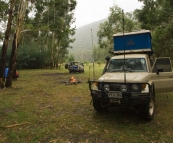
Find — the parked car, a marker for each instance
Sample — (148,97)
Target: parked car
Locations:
(74,66)
(132,76)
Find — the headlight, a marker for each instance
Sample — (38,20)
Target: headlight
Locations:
(106,87)
(123,88)
(135,87)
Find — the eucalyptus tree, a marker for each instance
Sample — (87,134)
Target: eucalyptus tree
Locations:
(47,27)
(113,25)
(6,39)
(19,22)
(53,20)
(61,27)
(19,6)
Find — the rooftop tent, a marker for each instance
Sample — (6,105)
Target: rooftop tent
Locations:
(139,41)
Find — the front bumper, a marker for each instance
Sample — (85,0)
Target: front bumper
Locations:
(128,98)
(75,69)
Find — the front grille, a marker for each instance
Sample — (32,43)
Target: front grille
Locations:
(112,86)
(116,86)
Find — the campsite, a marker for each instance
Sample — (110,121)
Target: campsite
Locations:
(57,73)
(41,108)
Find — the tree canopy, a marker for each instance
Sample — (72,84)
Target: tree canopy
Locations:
(47,29)
(113,25)
(157,16)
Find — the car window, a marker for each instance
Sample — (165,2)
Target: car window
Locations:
(163,65)
(131,64)
(73,63)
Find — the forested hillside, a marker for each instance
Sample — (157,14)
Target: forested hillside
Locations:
(82,47)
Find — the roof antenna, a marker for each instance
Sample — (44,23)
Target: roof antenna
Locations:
(93,54)
(124,48)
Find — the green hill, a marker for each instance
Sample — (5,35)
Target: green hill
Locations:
(82,47)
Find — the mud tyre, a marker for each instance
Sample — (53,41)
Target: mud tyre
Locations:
(149,108)
(97,105)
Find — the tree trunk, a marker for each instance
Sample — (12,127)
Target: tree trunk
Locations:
(12,64)
(52,51)
(5,43)
(21,13)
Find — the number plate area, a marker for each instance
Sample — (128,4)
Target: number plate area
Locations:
(114,94)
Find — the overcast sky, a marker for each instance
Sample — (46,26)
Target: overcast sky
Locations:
(88,11)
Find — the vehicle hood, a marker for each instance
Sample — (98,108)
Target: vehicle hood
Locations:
(119,77)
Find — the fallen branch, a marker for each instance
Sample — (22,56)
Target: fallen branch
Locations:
(14,125)
(48,106)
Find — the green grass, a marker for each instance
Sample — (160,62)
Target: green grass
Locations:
(53,112)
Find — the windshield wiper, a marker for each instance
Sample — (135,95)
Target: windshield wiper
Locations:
(118,70)
(130,70)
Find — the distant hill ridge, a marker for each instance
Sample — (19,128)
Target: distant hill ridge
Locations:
(83,42)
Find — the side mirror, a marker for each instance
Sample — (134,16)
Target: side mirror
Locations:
(159,70)
(107,58)
(107,61)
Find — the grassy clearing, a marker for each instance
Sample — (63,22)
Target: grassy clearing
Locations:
(43,109)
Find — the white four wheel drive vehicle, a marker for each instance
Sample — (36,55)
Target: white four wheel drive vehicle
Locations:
(74,66)
(132,76)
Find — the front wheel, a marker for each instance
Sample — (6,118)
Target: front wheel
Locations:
(149,110)
(97,105)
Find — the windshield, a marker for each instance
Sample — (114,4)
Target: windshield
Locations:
(74,63)
(131,65)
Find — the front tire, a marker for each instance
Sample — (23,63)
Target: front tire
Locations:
(149,108)
(97,105)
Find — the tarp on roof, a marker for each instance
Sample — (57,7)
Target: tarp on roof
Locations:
(139,41)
